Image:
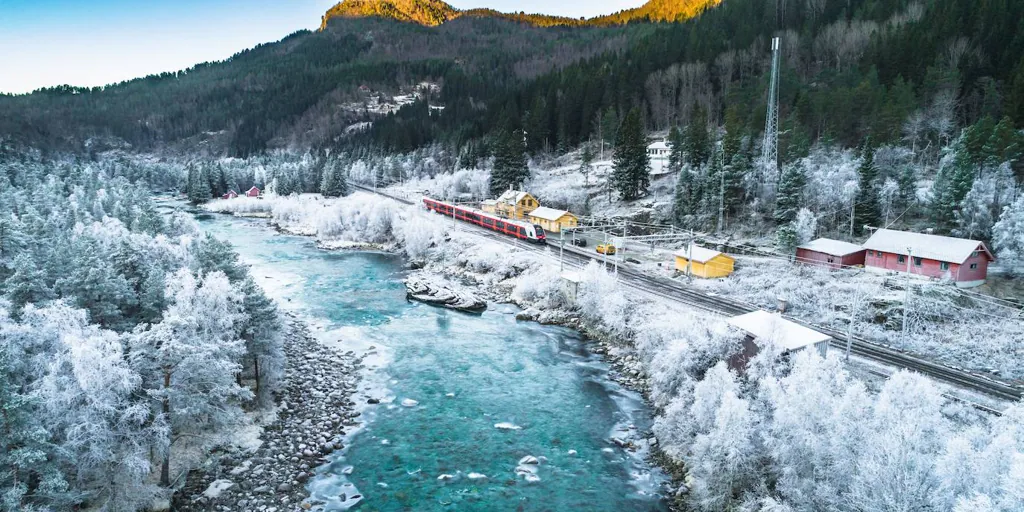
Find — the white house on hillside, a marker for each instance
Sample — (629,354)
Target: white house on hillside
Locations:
(658,153)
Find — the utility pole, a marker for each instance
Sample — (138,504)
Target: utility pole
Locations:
(561,250)
(906,300)
(721,195)
(689,257)
(770,146)
(854,304)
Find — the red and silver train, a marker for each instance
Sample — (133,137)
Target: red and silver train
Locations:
(519,229)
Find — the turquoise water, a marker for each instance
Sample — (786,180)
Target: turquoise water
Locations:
(466,374)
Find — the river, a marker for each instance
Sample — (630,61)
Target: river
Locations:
(463,398)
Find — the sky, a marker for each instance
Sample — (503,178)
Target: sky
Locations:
(97,42)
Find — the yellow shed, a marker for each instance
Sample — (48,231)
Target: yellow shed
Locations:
(553,220)
(705,263)
(515,204)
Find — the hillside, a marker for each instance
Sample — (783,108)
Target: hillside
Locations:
(436,12)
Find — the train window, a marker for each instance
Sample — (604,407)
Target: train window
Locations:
(500,224)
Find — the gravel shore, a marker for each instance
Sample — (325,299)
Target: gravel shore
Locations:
(315,411)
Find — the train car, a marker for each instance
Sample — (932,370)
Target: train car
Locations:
(524,230)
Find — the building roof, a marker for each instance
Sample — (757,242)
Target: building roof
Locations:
(832,247)
(921,245)
(512,196)
(771,327)
(548,213)
(490,201)
(700,254)
(658,145)
(253,188)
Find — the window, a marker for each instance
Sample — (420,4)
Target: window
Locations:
(974,254)
(974,266)
(917,262)
(943,266)
(901,259)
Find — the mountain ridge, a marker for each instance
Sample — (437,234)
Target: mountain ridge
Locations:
(436,12)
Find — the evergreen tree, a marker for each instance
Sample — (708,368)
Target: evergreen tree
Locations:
(510,166)
(586,161)
(697,140)
(677,150)
(787,238)
(790,195)
(867,211)
(1003,145)
(1008,237)
(198,185)
(27,283)
(334,183)
(683,204)
(952,184)
(632,165)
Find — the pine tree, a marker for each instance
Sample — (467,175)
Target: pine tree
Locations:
(1008,236)
(632,165)
(510,166)
(952,184)
(697,140)
(1003,145)
(586,161)
(334,183)
(683,204)
(790,196)
(677,150)
(867,211)
(198,185)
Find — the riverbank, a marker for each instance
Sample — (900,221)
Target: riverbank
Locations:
(314,412)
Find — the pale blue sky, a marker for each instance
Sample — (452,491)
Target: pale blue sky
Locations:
(87,43)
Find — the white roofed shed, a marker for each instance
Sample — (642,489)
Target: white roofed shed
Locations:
(767,328)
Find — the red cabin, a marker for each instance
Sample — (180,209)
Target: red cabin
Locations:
(941,257)
(834,254)
(252,192)
(230,195)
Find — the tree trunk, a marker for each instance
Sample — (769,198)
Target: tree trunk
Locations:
(256,368)
(165,467)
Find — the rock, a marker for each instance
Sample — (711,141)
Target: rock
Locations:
(572,452)
(529,459)
(285,487)
(445,476)
(409,402)
(476,476)
(420,287)
(682,490)
(373,401)
(507,426)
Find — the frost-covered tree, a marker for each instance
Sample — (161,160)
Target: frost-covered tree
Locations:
(805,225)
(677,150)
(697,140)
(1008,236)
(264,341)
(510,166)
(790,194)
(723,457)
(974,218)
(190,360)
(90,398)
(334,183)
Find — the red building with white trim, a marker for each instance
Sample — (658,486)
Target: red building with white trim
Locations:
(252,192)
(940,257)
(834,254)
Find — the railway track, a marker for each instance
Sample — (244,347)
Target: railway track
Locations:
(672,290)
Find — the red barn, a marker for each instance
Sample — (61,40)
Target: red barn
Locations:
(230,195)
(940,257)
(252,192)
(834,254)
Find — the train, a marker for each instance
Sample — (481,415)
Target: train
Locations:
(519,229)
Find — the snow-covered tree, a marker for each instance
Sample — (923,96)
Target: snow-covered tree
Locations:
(974,218)
(790,194)
(805,225)
(1008,236)
(190,360)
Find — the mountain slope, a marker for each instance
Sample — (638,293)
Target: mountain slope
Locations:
(436,12)
(425,12)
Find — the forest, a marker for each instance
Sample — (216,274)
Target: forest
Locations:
(131,344)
